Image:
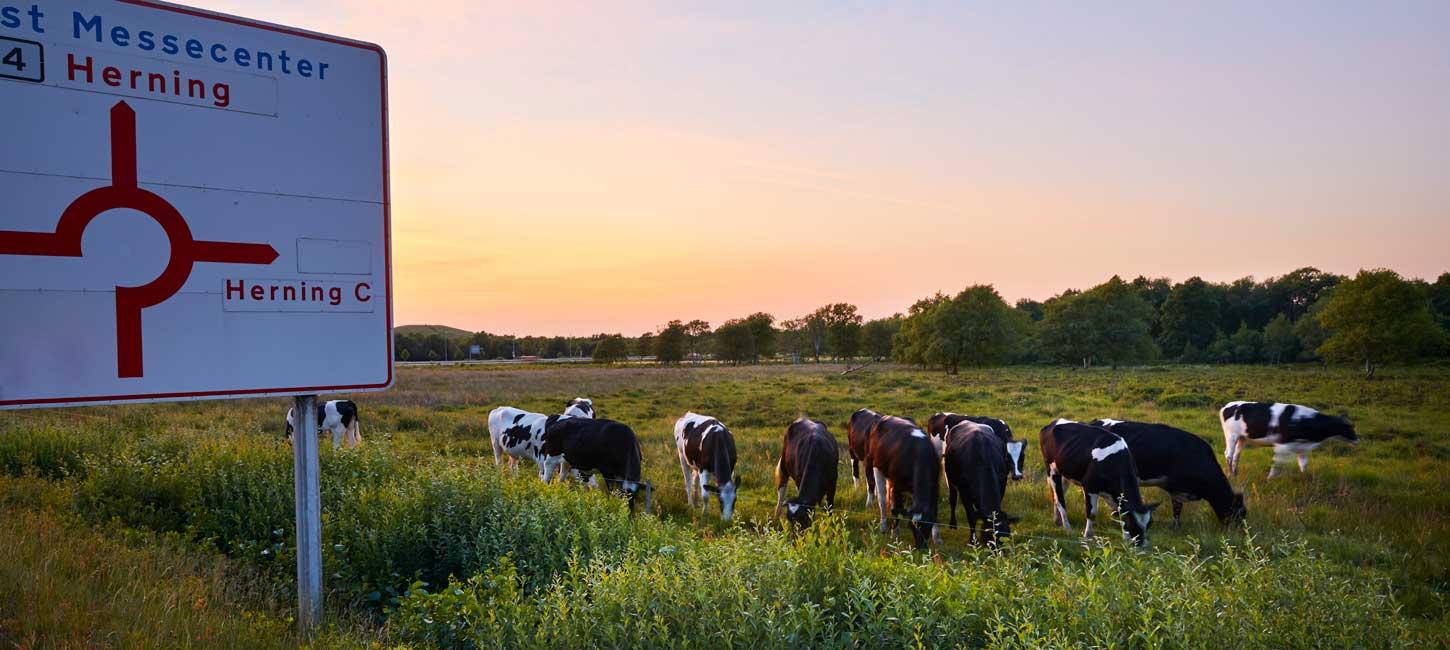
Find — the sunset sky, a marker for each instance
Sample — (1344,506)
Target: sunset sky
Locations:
(606,167)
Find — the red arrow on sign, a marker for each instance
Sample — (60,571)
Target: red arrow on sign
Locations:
(123,192)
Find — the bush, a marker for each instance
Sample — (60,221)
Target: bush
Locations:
(768,590)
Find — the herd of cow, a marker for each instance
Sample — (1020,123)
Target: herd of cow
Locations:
(1109,459)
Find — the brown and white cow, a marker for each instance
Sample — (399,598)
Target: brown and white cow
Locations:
(903,459)
(707,450)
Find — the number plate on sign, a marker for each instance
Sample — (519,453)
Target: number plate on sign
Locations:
(20,59)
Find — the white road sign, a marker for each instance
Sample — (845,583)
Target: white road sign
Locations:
(192,205)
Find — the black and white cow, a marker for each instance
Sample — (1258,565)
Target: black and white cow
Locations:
(338,416)
(938,425)
(518,434)
(1180,463)
(903,459)
(808,456)
(1293,430)
(858,443)
(707,450)
(975,459)
(580,407)
(1100,462)
(594,446)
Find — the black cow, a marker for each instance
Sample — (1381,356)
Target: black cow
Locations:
(976,467)
(1100,462)
(1182,464)
(592,446)
(938,425)
(706,448)
(808,456)
(1293,430)
(858,443)
(903,459)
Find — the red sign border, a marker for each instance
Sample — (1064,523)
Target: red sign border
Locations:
(387,236)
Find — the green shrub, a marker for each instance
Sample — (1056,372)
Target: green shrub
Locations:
(1185,401)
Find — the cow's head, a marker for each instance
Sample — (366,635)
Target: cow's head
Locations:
(1015,451)
(1236,512)
(798,514)
(726,493)
(580,407)
(1342,428)
(1136,521)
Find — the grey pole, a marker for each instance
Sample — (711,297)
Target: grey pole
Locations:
(309,514)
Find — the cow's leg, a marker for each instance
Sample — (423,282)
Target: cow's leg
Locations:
(336,437)
(702,478)
(1092,510)
(495,444)
(780,479)
(1177,511)
(855,469)
(952,503)
(689,483)
(1280,455)
(1059,513)
(1303,462)
(872,480)
(879,484)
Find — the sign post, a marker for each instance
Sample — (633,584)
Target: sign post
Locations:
(193,206)
(307,486)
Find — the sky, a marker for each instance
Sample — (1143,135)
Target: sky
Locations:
(576,168)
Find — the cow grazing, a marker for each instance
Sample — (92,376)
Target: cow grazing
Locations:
(338,416)
(518,434)
(1293,430)
(707,450)
(976,467)
(594,446)
(808,456)
(938,425)
(580,407)
(903,459)
(1180,463)
(1100,462)
(858,442)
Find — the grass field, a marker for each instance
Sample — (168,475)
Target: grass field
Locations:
(1354,554)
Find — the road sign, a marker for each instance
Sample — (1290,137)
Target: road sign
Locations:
(194,206)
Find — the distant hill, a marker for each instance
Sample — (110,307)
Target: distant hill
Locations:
(442,330)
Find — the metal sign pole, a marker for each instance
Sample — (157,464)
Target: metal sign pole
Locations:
(309,514)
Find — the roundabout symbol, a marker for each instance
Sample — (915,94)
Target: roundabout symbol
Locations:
(124,192)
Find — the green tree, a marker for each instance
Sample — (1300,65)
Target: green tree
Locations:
(762,333)
(735,342)
(1294,292)
(697,333)
(1439,293)
(1247,344)
(645,345)
(876,336)
(915,336)
(611,348)
(1110,322)
(1280,343)
(1221,350)
(1030,308)
(672,343)
(1378,317)
(794,340)
(976,327)
(1190,315)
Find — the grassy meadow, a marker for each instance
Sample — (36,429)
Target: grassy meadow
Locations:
(170,525)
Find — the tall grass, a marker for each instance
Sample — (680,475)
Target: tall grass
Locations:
(423,532)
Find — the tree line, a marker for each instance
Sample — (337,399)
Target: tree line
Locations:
(1373,318)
